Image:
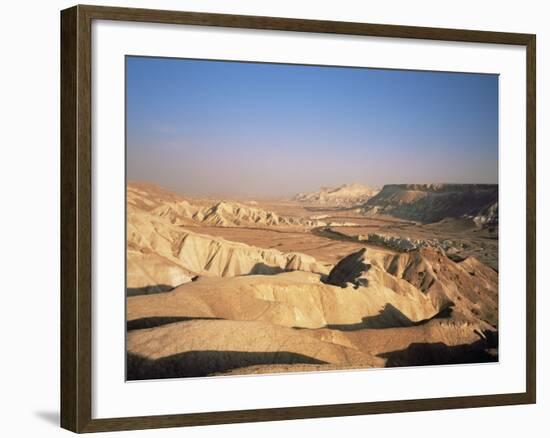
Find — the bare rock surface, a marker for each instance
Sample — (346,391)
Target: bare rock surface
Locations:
(434,202)
(199,304)
(177,210)
(199,347)
(161,253)
(345,195)
(352,269)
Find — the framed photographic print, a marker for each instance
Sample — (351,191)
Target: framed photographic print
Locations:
(270,218)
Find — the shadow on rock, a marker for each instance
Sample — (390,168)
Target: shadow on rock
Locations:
(148,290)
(389,317)
(204,363)
(155,321)
(481,351)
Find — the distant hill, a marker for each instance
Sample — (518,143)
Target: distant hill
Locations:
(227,214)
(345,195)
(178,210)
(434,202)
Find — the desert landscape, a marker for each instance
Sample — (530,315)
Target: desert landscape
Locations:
(285,218)
(346,277)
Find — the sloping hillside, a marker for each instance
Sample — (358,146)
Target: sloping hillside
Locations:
(180,211)
(346,195)
(160,253)
(199,304)
(434,202)
(418,308)
(224,214)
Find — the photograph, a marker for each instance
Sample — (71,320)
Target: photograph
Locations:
(292,218)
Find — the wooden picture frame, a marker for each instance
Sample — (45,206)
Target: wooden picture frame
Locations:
(76,217)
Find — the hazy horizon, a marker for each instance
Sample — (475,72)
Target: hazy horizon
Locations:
(225,195)
(251,129)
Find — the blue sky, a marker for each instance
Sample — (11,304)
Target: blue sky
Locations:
(213,127)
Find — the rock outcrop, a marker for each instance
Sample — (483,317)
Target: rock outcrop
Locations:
(468,287)
(434,202)
(226,214)
(205,347)
(488,216)
(352,269)
(346,195)
(179,211)
(162,253)
(290,299)
(415,308)
(406,244)
(399,306)
(201,305)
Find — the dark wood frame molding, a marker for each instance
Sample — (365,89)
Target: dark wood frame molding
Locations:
(76,172)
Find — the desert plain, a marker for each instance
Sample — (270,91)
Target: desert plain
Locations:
(341,278)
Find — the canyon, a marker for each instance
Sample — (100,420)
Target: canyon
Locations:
(345,277)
